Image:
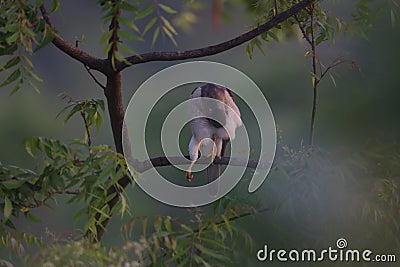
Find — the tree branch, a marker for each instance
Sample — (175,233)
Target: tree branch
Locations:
(73,51)
(175,160)
(303,30)
(89,70)
(234,218)
(214,49)
(314,78)
(66,191)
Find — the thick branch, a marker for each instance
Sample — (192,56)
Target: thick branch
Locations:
(73,51)
(215,49)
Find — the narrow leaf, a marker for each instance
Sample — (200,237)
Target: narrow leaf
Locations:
(13,76)
(128,36)
(167,9)
(155,36)
(169,34)
(7,208)
(149,25)
(11,63)
(144,13)
(168,25)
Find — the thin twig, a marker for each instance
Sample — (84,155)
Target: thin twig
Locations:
(314,78)
(302,29)
(234,218)
(89,70)
(66,191)
(334,65)
(89,142)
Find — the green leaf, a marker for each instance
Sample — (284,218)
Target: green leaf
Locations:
(128,7)
(11,63)
(27,61)
(106,37)
(144,225)
(33,75)
(128,36)
(34,87)
(99,121)
(11,39)
(212,253)
(47,37)
(144,13)
(7,208)
(249,51)
(168,25)
(259,45)
(179,255)
(167,223)
(12,27)
(169,34)
(101,104)
(32,217)
(13,76)
(39,3)
(227,224)
(107,48)
(155,36)
(186,228)
(200,260)
(128,24)
(333,79)
(149,25)
(16,87)
(101,212)
(28,147)
(75,109)
(393,17)
(124,205)
(54,6)
(167,9)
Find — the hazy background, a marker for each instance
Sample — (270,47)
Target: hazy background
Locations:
(362,107)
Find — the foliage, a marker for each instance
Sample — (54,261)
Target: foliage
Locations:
(78,169)
(327,25)
(156,241)
(319,195)
(310,196)
(23,32)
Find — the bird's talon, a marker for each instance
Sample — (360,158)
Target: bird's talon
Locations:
(189,176)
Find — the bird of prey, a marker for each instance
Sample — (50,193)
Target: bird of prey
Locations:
(213,124)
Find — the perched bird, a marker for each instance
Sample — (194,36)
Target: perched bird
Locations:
(213,125)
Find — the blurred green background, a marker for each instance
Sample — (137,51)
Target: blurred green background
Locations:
(360,114)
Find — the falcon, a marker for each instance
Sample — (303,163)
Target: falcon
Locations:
(213,124)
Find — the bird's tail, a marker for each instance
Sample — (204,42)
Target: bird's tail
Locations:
(213,172)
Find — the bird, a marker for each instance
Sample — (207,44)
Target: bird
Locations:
(213,125)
